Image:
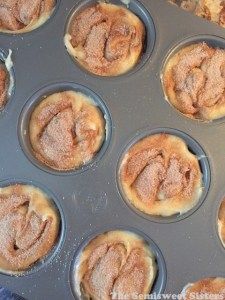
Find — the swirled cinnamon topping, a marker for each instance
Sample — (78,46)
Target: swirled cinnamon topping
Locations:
(106,39)
(207,288)
(221,222)
(3,86)
(24,15)
(194,81)
(66,130)
(160,176)
(211,10)
(115,263)
(29,227)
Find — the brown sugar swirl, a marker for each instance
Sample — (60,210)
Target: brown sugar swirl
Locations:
(106,39)
(17,16)
(194,81)
(160,176)
(66,130)
(113,264)
(29,227)
(207,288)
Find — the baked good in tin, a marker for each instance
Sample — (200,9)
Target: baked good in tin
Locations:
(211,10)
(194,81)
(29,227)
(18,16)
(113,264)
(221,222)
(160,176)
(207,288)
(106,39)
(66,130)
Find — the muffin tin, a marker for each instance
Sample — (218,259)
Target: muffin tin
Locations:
(90,202)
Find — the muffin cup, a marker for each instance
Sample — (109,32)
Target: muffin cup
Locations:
(194,148)
(211,40)
(140,11)
(52,254)
(160,280)
(23,126)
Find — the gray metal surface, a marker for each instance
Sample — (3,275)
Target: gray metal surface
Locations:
(90,201)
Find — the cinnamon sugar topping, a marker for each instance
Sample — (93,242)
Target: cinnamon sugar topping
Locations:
(168,180)
(106,39)
(148,181)
(212,10)
(57,140)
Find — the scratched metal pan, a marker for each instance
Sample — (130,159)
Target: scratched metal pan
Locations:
(91,202)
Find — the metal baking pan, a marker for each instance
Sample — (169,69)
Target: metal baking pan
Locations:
(90,201)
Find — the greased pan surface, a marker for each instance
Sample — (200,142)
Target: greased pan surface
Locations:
(90,202)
